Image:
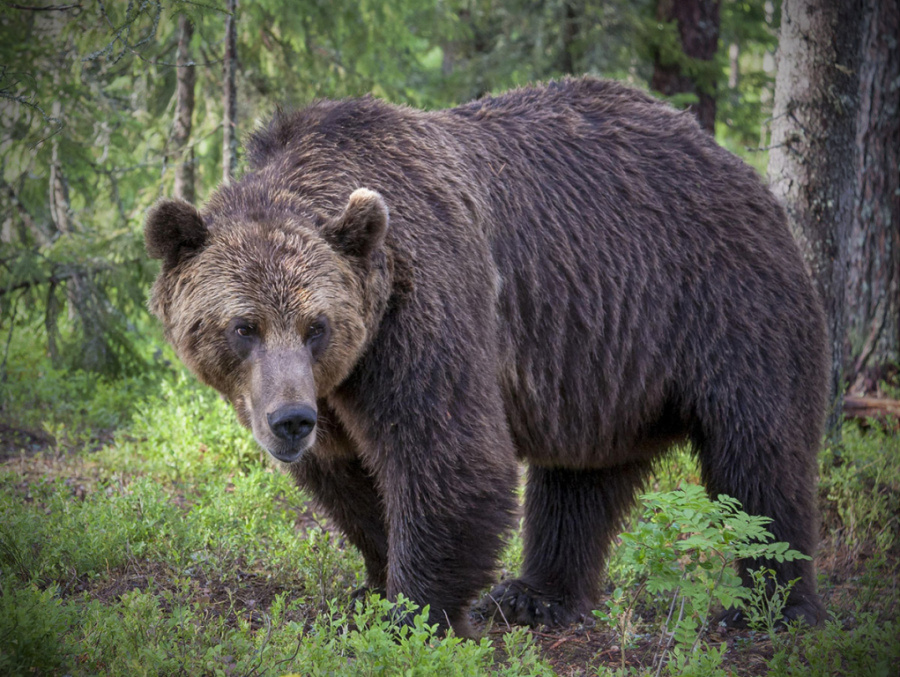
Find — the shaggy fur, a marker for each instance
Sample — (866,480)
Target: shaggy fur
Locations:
(572,275)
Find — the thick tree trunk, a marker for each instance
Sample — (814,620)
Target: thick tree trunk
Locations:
(813,136)
(229,148)
(874,289)
(698,28)
(184,110)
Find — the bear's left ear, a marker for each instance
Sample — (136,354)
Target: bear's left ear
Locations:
(359,230)
(174,230)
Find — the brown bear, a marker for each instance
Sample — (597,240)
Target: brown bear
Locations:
(402,305)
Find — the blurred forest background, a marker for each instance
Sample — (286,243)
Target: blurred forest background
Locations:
(139,532)
(106,106)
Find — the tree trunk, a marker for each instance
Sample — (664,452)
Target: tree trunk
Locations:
(41,237)
(874,289)
(184,110)
(229,149)
(734,65)
(83,308)
(813,135)
(569,34)
(59,191)
(698,29)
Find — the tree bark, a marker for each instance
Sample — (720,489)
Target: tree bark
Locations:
(813,136)
(698,29)
(734,65)
(95,353)
(874,289)
(59,191)
(569,34)
(229,149)
(41,237)
(184,110)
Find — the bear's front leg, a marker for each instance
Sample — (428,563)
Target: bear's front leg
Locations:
(447,476)
(445,536)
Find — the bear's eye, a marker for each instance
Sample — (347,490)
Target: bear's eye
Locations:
(316,330)
(243,336)
(245,330)
(317,335)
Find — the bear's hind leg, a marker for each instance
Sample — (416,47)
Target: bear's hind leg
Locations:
(570,518)
(771,475)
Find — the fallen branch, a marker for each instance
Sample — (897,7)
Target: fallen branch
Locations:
(871,407)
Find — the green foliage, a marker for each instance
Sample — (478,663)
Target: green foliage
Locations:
(340,48)
(745,104)
(522,655)
(72,405)
(183,430)
(860,489)
(59,538)
(369,642)
(697,664)
(768,598)
(492,46)
(663,43)
(868,646)
(33,627)
(681,555)
(87,141)
(156,632)
(74,172)
(328,569)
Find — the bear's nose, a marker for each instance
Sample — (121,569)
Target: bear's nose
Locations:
(292,422)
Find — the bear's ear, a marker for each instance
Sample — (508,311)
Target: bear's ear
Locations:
(360,229)
(173,230)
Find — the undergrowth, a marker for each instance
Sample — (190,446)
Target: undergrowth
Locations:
(148,536)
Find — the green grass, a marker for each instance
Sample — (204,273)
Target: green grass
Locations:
(149,537)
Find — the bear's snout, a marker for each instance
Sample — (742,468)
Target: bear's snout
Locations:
(292,423)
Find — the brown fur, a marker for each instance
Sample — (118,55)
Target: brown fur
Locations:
(573,275)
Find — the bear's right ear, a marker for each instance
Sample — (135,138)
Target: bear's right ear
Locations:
(360,229)
(173,230)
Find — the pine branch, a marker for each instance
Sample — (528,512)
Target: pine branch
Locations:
(48,8)
(61,273)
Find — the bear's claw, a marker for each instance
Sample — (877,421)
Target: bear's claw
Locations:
(364,591)
(517,603)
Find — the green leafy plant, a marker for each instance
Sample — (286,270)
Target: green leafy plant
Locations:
(681,555)
(690,663)
(860,491)
(33,625)
(766,602)
(523,657)
(865,645)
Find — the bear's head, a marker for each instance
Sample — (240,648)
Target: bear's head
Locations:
(272,312)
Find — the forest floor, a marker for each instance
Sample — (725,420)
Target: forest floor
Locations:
(158,543)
